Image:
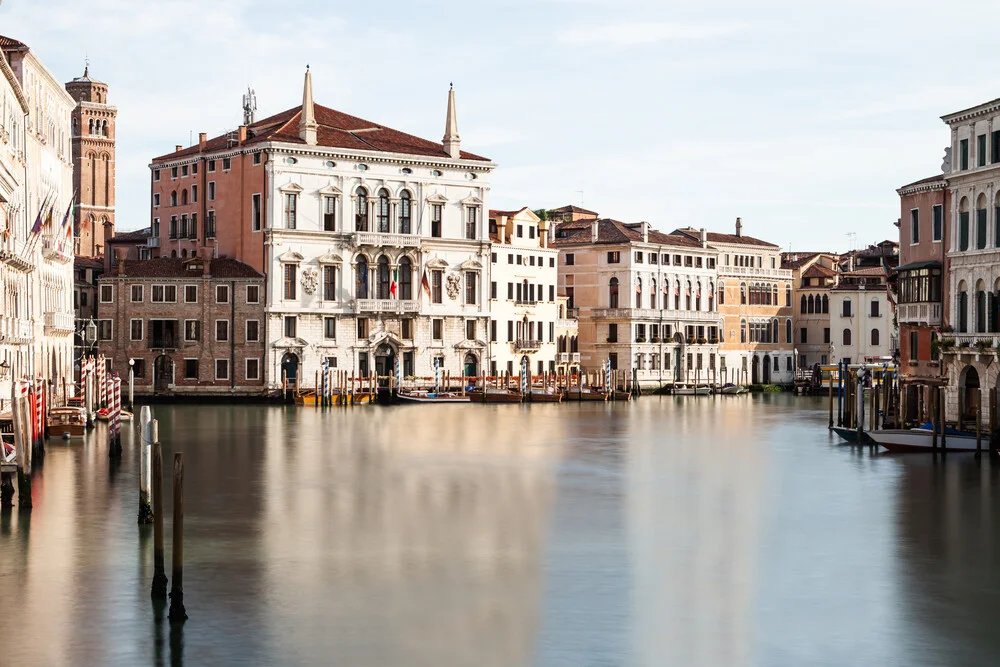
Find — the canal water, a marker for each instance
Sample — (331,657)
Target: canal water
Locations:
(667,531)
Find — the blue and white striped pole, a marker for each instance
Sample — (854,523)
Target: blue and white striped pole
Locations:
(437,375)
(399,374)
(607,374)
(524,376)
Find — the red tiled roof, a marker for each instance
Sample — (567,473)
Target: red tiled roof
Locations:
(11,43)
(867,271)
(495,212)
(716,237)
(572,209)
(612,232)
(336,130)
(923,181)
(174,267)
(131,236)
(817,271)
(88,262)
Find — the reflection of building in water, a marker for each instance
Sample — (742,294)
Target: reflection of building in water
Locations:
(948,518)
(412,539)
(693,519)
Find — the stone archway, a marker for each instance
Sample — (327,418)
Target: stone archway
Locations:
(163,373)
(767,369)
(968,393)
(470,366)
(290,367)
(755,370)
(385,363)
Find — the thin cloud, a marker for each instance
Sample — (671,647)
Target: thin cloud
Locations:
(632,34)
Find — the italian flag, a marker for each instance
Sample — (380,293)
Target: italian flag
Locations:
(395,281)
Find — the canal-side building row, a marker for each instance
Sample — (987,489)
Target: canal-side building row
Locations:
(814,274)
(375,242)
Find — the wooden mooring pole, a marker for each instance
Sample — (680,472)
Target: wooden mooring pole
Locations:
(942,412)
(148,436)
(831,403)
(159,590)
(979,422)
(177,613)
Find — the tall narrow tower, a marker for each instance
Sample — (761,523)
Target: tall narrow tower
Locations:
(93,141)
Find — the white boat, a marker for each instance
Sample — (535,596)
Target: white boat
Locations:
(922,440)
(432,397)
(734,389)
(692,391)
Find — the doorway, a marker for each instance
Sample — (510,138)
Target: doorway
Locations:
(767,368)
(755,371)
(385,364)
(163,373)
(290,368)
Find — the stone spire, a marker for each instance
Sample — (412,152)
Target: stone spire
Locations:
(451,141)
(307,121)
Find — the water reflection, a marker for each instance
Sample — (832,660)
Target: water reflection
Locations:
(720,531)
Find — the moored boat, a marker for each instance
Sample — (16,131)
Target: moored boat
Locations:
(692,391)
(66,422)
(734,389)
(543,396)
(847,434)
(432,397)
(899,440)
(494,395)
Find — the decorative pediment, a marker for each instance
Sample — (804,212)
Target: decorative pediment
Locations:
(290,343)
(383,336)
(471,265)
(291,187)
(331,191)
(437,263)
(477,345)
(290,257)
(472,200)
(329,257)
(437,198)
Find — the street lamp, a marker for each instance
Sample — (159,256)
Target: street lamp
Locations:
(131,382)
(90,333)
(4,370)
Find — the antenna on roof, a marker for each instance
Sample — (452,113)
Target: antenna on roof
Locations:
(250,105)
(580,192)
(852,239)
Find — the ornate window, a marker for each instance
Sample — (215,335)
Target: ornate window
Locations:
(404,213)
(743,295)
(383,277)
(405,279)
(361,210)
(613,293)
(361,278)
(743,331)
(382,213)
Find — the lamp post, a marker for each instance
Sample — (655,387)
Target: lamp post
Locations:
(89,339)
(131,382)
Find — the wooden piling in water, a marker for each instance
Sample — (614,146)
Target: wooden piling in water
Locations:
(159,589)
(177,613)
(935,420)
(942,413)
(148,435)
(979,422)
(831,403)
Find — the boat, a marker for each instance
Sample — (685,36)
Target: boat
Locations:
(432,397)
(543,396)
(494,395)
(692,391)
(66,423)
(103,413)
(921,439)
(848,434)
(731,389)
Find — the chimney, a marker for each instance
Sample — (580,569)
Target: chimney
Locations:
(739,227)
(704,238)
(206,267)
(307,119)
(177,147)
(243,133)
(202,140)
(451,140)
(850,262)
(593,230)
(645,232)
(120,259)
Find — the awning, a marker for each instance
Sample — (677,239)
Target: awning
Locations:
(931,264)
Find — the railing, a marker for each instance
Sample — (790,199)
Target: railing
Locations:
(12,330)
(153,242)
(13,256)
(574,357)
(527,344)
(380,239)
(60,322)
(525,302)
(755,272)
(386,305)
(564,357)
(655,314)
(920,313)
(566,324)
(163,343)
(57,247)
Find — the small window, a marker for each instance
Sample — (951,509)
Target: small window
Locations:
(470,330)
(362,323)
(257,157)
(192,330)
(222,330)
(638,256)
(211,190)
(170,293)
(103,329)
(406,326)
(362,167)
(614,257)
(222,369)
(253,365)
(173,172)
(330,328)
(436,329)
(190,294)
(252,331)
(291,160)
(107,293)
(406,170)
(552,262)
(435,172)
(331,164)
(253,293)
(156,174)
(139,368)
(211,165)
(135,329)
(226,163)
(570,259)
(190,369)
(156,199)
(184,170)
(222,293)
(136,293)
(290,326)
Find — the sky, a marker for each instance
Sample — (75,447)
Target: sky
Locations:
(802,118)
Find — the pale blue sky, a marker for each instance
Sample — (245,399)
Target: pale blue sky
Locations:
(801,118)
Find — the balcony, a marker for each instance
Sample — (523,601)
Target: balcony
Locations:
(12,256)
(153,242)
(525,302)
(386,306)
(527,344)
(569,357)
(754,272)
(163,343)
(57,247)
(15,331)
(928,314)
(567,324)
(59,323)
(380,239)
(655,314)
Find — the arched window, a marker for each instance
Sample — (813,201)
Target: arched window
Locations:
(361,279)
(743,331)
(361,210)
(90,126)
(811,305)
(184,197)
(104,128)
(722,293)
(875,338)
(963,307)
(404,212)
(677,295)
(802,305)
(826,304)
(788,330)
(981,222)
(184,253)
(963,224)
(383,277)
(405,279)
(980,307)
(652,294)
(847,336)
(743,294)
(382,212)
(687,297)
(173,198)
(711,297)
(613,293)
(788,296)
(774,299)
(774,330)
(638,293)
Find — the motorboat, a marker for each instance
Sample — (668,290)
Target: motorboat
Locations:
(420,396)
(538,395)
(103,415)
(494,395)
(734,389)
(848,434)
(921,439)
(692,391)
(66,422)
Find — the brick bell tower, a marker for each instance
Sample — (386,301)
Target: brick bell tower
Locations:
(93,142)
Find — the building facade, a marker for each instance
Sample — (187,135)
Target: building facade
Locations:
(41,233)
(93,144)
(191,326)
(813,276)
(374,241)
(522,305)
(922,289)
(861,316)
(645,300)
(755,303)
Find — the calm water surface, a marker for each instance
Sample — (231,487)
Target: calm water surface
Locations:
(668,531)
